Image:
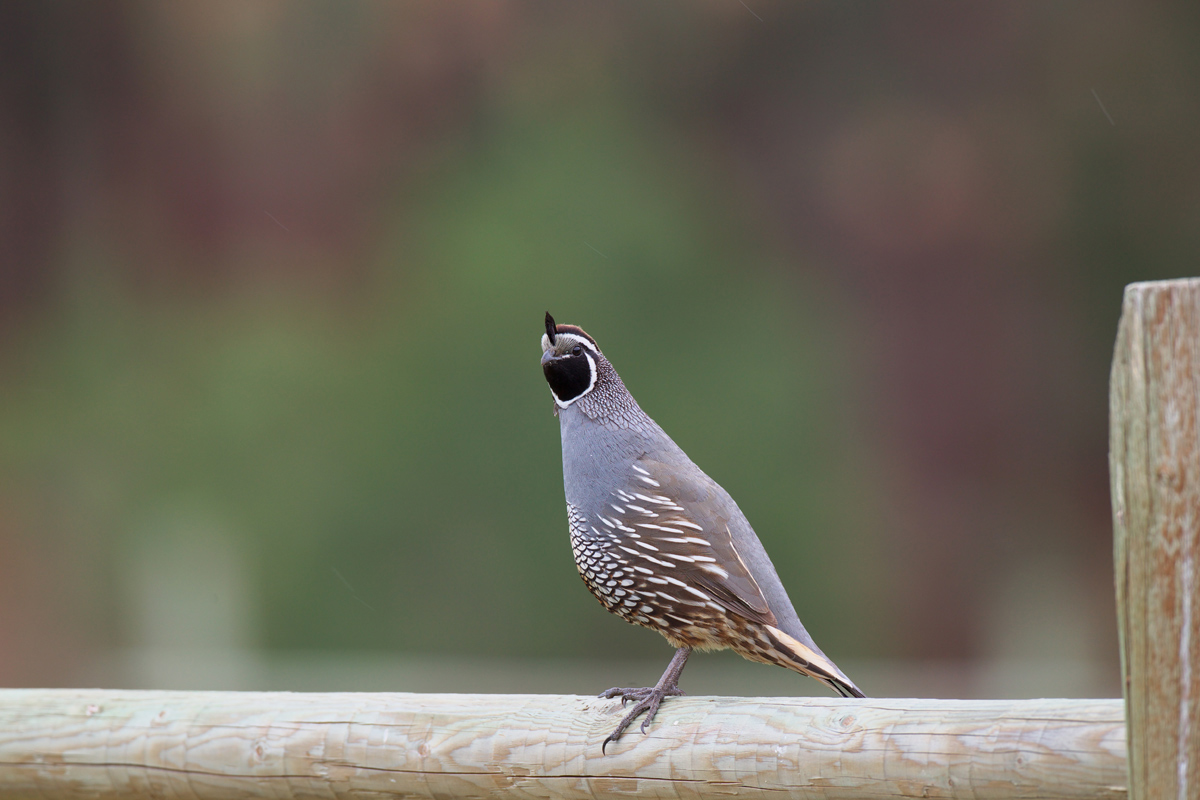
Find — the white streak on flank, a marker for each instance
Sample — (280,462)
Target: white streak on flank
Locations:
(616,508)
(705,558)
(685,540)
(647,545)
(622,527)
(652,526)
(677,557)
(668,598)
(658,580)
(650,499)
(639,469)
(606,521)
(642,570)
(598,533)
(1187,590)
(676,581)
(687,524)
(641,510)
(644,479)
(654,560)
(624,495)
(702,595)
(661,500)
(715,570)
(633,535)
(629,550)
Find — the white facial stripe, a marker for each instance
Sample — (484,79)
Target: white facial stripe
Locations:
(570,337)
(591,383)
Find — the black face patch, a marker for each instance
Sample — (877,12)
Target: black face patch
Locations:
(568,377)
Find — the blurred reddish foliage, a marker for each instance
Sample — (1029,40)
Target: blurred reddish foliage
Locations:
(946,166)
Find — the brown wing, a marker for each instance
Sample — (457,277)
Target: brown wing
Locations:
(671,524)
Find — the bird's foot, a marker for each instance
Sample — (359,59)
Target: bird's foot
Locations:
(646,700)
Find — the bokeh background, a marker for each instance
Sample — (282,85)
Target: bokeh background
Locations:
(272,278)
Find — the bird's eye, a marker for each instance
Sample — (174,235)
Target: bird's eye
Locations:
(576,350)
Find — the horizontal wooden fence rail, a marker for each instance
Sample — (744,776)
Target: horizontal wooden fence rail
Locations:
(71,743)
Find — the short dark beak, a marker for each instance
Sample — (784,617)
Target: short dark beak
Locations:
(548,356)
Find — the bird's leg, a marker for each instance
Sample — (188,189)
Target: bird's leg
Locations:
(649,698)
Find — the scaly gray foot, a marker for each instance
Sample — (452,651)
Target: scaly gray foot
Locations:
(646,699)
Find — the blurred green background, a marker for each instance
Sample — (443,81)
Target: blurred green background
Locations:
(272,278)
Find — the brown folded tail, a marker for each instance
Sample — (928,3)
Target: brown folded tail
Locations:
(809,662)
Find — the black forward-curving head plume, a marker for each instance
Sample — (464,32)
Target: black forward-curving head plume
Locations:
(551,328)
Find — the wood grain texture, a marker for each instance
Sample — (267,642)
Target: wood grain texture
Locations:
(71,743)
(1154,464)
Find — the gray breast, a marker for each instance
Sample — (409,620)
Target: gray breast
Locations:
(632,561)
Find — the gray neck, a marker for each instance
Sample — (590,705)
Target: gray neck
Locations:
(610,403)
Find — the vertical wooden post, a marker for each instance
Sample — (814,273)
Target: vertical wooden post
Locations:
(1154,461)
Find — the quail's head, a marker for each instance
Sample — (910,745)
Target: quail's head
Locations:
(569,361)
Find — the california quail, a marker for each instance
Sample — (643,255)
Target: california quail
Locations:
(657,541)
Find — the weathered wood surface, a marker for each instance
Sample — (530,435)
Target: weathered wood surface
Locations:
(71,743)
(1154,465)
